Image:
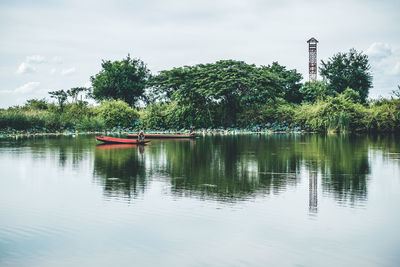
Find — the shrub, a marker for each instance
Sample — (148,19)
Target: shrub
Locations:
(116,113)
(154,116)
(36,104)
(90,124)
(278,111)
(21,120)
(383,116)
(338,113)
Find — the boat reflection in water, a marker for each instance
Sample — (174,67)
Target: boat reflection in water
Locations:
(120,169)
(234,168)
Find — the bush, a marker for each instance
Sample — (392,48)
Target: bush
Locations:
(278,111)
(116,113)
(90,124)
(383,115)
(78,110)
(20,120)
(333,114)
(36,104)
(154,116)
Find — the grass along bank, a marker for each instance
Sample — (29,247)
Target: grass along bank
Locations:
(339,113)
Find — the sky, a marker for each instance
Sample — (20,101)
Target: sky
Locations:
(50,45)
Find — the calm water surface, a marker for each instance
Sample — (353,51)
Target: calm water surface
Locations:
(278,200)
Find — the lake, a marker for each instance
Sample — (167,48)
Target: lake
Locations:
(234,200)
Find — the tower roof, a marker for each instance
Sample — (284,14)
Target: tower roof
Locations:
(312,40)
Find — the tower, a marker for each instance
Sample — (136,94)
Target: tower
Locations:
(312,62)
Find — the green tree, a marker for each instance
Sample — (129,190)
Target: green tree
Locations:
(36,104)
(125,80)
(215,94)
(289,82)
(312,91)
(345,70)
(74,92)
(61,96)
(396,92)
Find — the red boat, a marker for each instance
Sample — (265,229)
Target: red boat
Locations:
(112,140)
(162,136)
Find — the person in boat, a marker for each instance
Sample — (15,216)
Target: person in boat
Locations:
(191,132)
(141,136)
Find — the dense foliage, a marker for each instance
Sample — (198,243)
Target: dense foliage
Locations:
(116,113)
(226,94)
(125,80)
(213,95)
(348,70)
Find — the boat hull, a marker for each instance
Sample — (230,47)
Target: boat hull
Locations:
(112,140)
(162,136)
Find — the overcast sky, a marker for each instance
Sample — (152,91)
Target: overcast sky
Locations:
(50,45)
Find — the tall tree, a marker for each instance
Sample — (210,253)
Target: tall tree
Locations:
(74,92)
(289,83)
(61,97)
(125,80)
(345,70)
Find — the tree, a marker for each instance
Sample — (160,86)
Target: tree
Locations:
(345,70)
(312,91)
(125,80)
(289,84)
(36,104)
(61,97)
(74,92)
(396,92)
(217,93)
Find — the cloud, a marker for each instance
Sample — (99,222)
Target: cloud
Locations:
(35,59)
(57,60)
(24,89)
(68,71)
(26,68)
(30,63)
(53,71)
(378,51)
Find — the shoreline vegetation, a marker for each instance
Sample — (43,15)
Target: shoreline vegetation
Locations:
(223,97)
(337,115)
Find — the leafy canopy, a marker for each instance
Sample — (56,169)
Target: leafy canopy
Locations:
(348,70)
(125,80)
(216,93)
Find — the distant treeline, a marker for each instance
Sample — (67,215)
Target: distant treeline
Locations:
(226,94)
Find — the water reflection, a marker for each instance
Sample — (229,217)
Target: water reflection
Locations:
(227,168)
(343,163)
(234,168)
(120,169)
(313,192)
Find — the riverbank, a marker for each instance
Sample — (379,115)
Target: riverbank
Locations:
(203,132)
(338,114)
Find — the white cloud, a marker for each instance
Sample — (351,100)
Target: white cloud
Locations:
(57,60)
(379,51)
(35,59)
(68,71)
(53,71)
(24,89)
(26,68)
(30,63)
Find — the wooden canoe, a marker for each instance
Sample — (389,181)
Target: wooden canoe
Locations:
(162,136)
(113,140)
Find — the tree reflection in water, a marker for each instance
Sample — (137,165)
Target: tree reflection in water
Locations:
(236,167)
(120,169)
